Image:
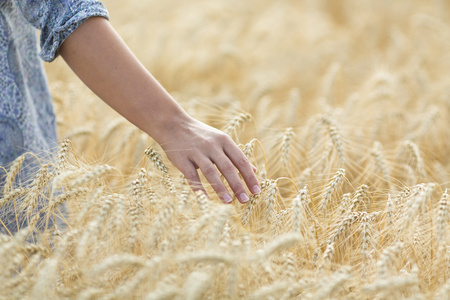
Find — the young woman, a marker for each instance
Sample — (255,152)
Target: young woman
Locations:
(79,31)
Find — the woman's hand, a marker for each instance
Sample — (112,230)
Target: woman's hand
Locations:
(101,59)
(192,145)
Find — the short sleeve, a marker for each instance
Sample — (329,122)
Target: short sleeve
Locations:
(57,19)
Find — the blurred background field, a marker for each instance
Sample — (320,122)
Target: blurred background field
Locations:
(343,106)
(284,62)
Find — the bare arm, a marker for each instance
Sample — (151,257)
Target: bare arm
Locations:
(104,63)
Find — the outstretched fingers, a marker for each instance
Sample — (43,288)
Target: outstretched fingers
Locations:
(246,169)
(229,171)
(190,173)
(212,175)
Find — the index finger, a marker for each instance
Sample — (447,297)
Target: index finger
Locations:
(241,162)
(190,173)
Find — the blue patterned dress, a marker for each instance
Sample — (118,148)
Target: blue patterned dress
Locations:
(27,120)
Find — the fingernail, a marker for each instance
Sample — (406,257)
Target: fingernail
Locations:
(256,189)
(227,198)
(243,197)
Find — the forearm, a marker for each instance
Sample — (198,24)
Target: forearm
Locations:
(101,59)
(104,63)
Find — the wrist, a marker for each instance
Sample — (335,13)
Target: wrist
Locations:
(167,124)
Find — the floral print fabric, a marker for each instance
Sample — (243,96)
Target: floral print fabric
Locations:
(27,120)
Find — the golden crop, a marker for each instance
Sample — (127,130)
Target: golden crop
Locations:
(343,106)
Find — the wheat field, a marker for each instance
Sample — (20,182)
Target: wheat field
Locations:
(343,107)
